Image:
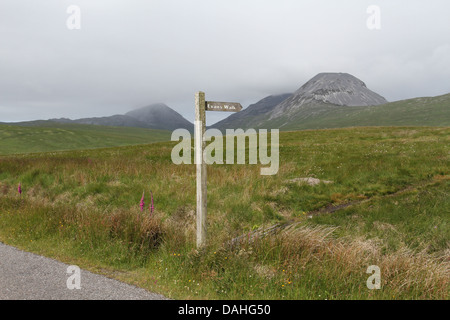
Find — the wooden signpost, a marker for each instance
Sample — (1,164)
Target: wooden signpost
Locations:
(201,105)
(223,106)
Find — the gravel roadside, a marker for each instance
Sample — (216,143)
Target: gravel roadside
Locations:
(27,276)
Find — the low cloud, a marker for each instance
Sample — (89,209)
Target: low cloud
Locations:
(128,54)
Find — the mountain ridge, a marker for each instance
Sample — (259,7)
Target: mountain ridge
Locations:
(339,89)
(328,100)
(155,116)
(251,113)
(321,94)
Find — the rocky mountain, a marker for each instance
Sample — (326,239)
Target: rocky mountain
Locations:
(323,93)
(155,116)
(339,89)
(252,114)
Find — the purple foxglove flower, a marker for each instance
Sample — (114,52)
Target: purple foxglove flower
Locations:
(142,204)
(19,189)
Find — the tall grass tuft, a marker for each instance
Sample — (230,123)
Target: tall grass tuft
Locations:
(141,232)
(344,259)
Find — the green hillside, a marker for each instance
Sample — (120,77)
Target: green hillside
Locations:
(44,136)
(433,111)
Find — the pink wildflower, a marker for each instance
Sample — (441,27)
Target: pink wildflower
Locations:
(142,204)
(19,189)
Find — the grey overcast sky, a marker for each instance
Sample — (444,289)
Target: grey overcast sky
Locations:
(131,53)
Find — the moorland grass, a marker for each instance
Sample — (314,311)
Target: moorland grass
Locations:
(48,136)
(83,207)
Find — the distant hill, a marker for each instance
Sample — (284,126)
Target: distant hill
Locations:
(324,92)
(328,100)
(427,111)
(333,100)
(160,116)
(112,121)
(156,116)
(334,90)
(44,136)
(253,115)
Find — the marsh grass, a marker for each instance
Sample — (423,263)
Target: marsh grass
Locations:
(83,207)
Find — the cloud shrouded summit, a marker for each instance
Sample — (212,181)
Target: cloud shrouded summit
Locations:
(160,116)
(155,116)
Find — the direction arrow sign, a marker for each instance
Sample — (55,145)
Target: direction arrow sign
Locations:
(223,106)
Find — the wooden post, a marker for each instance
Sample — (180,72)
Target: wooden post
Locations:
(201,106)
(200,128)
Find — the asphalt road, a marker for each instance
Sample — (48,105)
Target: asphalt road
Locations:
(27,276)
